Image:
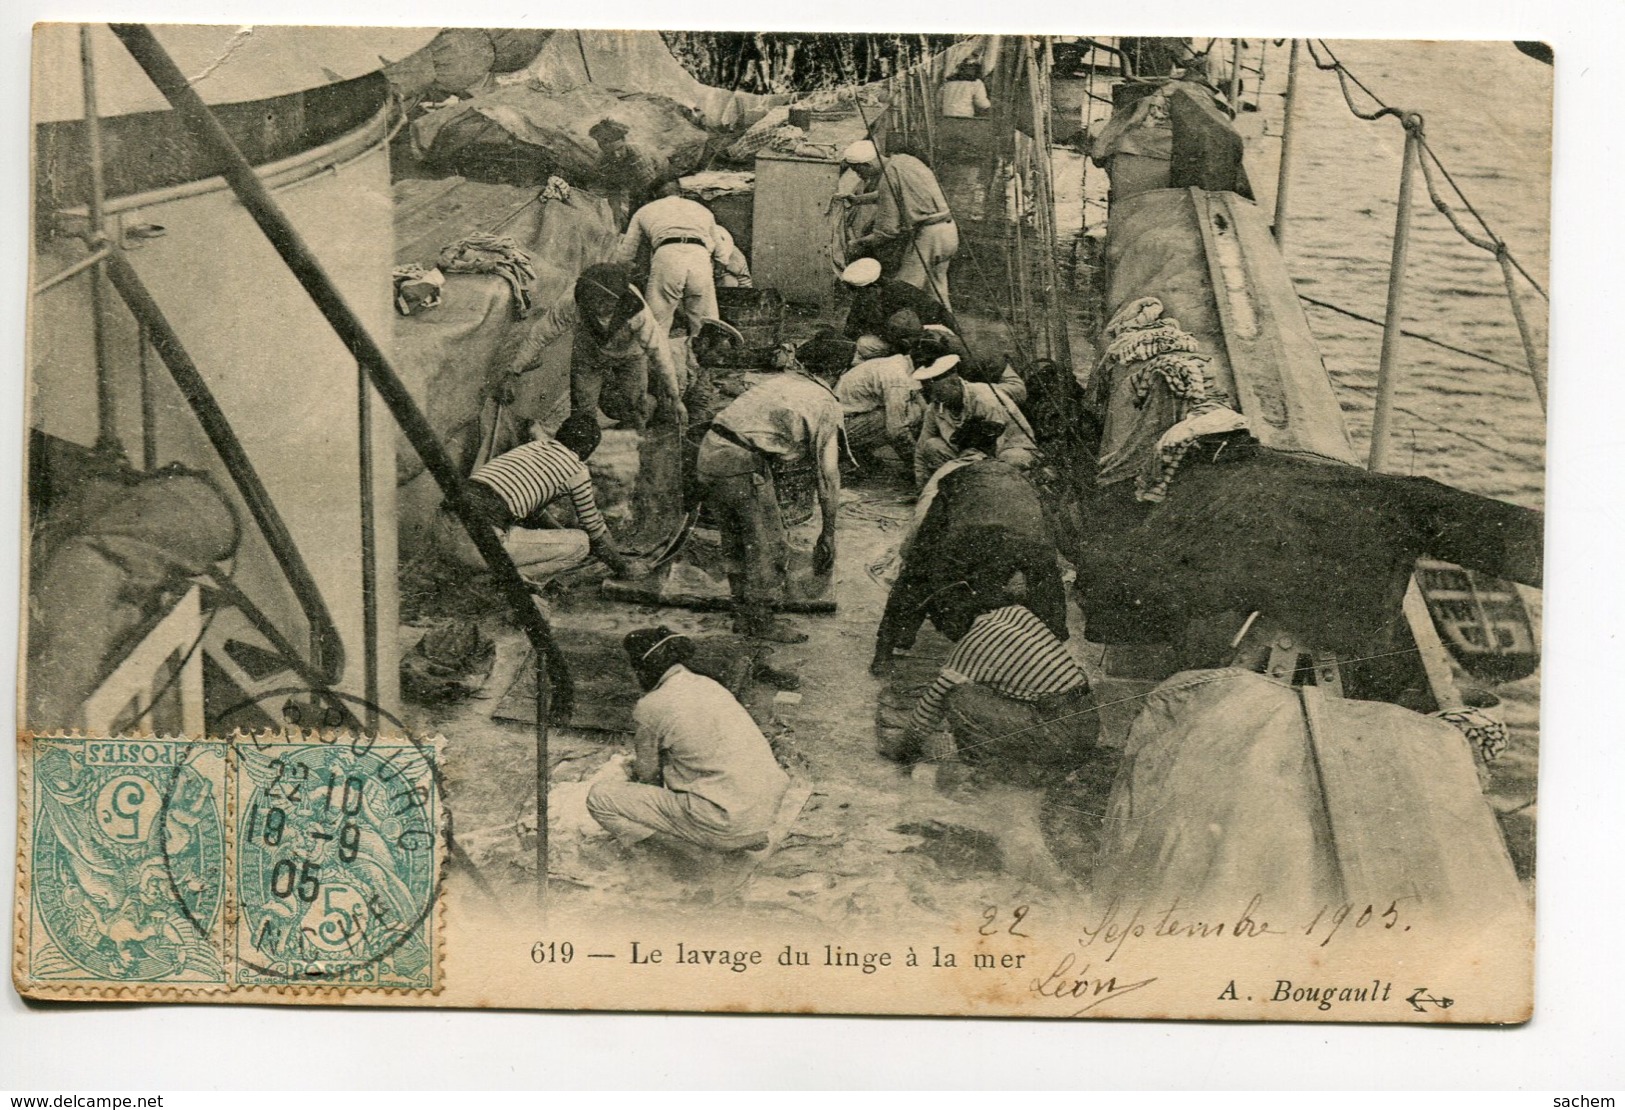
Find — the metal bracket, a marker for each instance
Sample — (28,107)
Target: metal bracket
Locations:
(1283,658)
(1287,654)
(1328,676)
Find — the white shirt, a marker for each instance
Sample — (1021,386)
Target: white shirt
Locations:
(963,99)
(666,218)
(711,748)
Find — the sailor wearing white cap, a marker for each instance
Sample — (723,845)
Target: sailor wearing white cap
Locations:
(950,401)
(865,271)
(937,368)
(913,224)
(877,299)
(860,153)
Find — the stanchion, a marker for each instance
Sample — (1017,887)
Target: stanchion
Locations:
(1235,77)
(1537,365)
(107,437)
(1383,412)
(1283,182)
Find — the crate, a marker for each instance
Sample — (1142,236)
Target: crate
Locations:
(791,227)
(759,316)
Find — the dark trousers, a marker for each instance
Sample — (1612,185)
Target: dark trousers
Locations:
(746,510)
(618,385)
(1054,733)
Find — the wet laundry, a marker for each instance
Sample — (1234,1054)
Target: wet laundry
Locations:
(494,254)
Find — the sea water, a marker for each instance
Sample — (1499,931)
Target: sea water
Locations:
(1487,114)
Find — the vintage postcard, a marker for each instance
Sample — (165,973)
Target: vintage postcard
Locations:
(981,525)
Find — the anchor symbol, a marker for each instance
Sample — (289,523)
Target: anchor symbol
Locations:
(1417,998)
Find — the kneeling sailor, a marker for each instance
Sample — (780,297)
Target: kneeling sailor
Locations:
(702,772)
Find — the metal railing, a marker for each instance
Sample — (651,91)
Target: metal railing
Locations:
(1417,154)
(553,687)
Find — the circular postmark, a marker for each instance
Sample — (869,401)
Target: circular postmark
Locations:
(128,861)
(336,843)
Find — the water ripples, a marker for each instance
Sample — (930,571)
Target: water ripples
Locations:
(1488,112)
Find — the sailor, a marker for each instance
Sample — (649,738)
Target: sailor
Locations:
(964,96)
(950,401)
(617,341)
(882,406)
(976,439)
(730,268)
(983,526)
(901,331)
(934,341)
(790,417)
(876,299)
(702,773)
(629,175)
(1010,691)
(913,224)
(681,237)
(512,494)
(858,217)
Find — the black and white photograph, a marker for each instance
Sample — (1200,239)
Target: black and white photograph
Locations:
(1029,525)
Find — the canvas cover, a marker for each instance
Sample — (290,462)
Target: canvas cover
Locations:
(452,353)
(463,60)
(640,60)
(1179,246)
(1227,789)
(530,131)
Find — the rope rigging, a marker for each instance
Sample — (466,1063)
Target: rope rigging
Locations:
(896,190)
(1407,333)
(1494,244)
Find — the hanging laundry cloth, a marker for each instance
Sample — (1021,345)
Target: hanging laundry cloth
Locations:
(1161,337)
(556,189)
(1175,444)
(1485,734)
(492,254)
(1172,399)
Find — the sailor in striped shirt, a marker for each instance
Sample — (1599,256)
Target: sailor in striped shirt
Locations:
(513,490)
(1010,690)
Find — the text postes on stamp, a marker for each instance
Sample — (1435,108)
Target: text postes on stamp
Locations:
(254,864)
(127,854)
(336,870)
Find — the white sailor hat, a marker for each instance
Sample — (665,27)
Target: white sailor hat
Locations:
(865,271)
(936,369)
(859,153)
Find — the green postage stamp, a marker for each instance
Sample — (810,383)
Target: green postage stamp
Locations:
(260,863)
